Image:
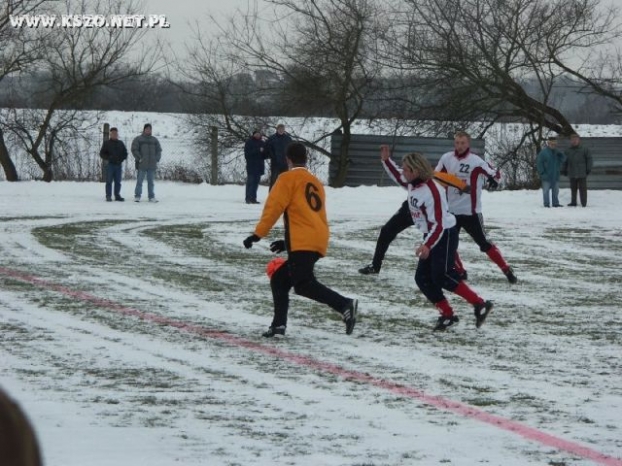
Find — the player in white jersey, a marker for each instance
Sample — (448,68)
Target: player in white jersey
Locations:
(467,208)
(402,218)
(429,210)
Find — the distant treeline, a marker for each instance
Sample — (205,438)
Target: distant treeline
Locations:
(154,93)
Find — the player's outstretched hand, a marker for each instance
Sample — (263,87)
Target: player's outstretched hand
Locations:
(248,242)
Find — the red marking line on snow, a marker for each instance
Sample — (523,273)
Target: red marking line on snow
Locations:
(438,402)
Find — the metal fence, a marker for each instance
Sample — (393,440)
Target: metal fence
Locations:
(364,167)
(607,156)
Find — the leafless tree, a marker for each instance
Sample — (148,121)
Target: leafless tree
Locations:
(76,61)
(478,54)
(218,93)
(601,74)
(18,45)
(320,52)
(19,48)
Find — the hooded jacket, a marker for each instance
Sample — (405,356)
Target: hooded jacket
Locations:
(147,152)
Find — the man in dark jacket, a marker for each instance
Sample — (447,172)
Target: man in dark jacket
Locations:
(276,145)
(114,152)
(254,152)
(577,167)
(147,152)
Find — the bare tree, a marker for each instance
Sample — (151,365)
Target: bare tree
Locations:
(76,61)
(478,54)
(19,48)
(218,93)
(601,74)
(68,134)
(18,45)
(320,52)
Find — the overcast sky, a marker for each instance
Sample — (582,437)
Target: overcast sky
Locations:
(182,13)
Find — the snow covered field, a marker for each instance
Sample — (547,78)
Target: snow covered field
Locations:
(130,334)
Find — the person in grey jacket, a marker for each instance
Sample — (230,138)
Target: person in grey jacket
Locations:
(577,167)
(147,152)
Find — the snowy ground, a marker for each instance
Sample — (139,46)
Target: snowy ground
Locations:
(130,334)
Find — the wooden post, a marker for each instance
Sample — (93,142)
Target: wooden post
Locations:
(214,150)
(102,178)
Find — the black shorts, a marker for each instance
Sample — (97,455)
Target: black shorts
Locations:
(474,226)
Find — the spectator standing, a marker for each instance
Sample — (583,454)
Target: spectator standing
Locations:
(114,152)
(147,153)
(276,145)
(577,167)
(254,153)
(548,163)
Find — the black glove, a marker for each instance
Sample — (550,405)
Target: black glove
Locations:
(492,183)
(248,242)
(277,246)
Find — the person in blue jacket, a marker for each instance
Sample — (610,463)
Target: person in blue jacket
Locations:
(254,153)
(549,163)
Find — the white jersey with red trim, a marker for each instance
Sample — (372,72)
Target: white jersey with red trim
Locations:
(428,205)
(395,172)
(474,171)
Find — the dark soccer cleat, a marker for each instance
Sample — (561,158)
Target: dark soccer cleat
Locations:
(443,323)
(274,331)
(481,311)
(369,270)
(349,315)
(509,273)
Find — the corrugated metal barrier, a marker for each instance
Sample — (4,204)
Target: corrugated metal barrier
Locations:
(364,167)
(607,156)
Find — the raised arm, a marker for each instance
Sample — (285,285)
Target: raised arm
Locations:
(392,169)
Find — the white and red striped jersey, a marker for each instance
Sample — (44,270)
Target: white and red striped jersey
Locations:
(428,204)
(394,172)
(474,171)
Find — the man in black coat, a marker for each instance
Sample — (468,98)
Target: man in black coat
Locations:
(114,152)
(276,145)
(254,154)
